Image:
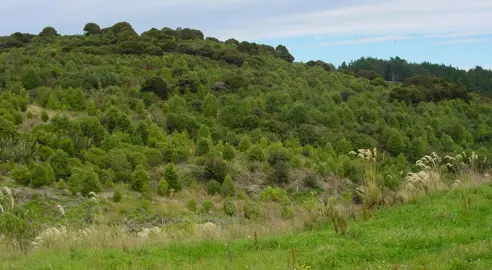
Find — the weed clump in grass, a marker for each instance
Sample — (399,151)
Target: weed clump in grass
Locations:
(275,195)
(191,205)
(117,195)
(61,185)
(207,206)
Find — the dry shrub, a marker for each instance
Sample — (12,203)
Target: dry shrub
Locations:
(338,212)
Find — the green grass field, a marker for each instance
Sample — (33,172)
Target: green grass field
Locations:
(436,232)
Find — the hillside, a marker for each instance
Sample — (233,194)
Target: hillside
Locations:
(172,130)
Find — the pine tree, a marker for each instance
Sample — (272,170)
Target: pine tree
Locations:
(203,146)
(228,153)
(228,189)
(172,178)
(140,177)
(210,106)
(91,108)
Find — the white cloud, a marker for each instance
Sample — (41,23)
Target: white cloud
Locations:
(387,17)
(459,34)
(364,40)
(464,40)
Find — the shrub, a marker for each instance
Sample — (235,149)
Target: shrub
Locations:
(169,153)
(228,152)
(29,115)
(280,173)
(91,108)
(251,210)
(117,195)
(191,204)
(287,211)
(275,195)
(107,177)
(230,207)
(154,157)
(215,168)
(207,206)
(255,153)
(140,177)
(203,146)
(172,178)
(21,174)
(228,187)
(44,116)
(60,164)
(61,185)
(41,175)
(278,155)
(13,226)
(163,187)
(213,187)
(244,144)
(84,180)
(311,180)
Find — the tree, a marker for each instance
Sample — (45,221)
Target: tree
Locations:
(283,53)
(418,149)
(44,116)
(30,78)
(114,120)
(256,153)
(203,146)
(215,168)
(158,86)
(91,29)
(228,189)
(210,106)
(172,178)
(122,26)
(244,144)
(163,187)
(204,132)
(395,143)
(343,147)
(91,108)
(140,178)
(48,32)
(228,152)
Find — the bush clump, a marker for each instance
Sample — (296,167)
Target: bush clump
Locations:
(42,174)
(230,207)
(172,178)
(213,187)
(21,174)
(163,187)
(275,195)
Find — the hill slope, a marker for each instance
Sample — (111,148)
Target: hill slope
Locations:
(172,129)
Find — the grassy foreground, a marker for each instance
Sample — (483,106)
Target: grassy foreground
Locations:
(435,232)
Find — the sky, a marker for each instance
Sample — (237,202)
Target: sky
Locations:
(452,32)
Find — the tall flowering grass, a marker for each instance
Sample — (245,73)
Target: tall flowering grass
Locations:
(370,191)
